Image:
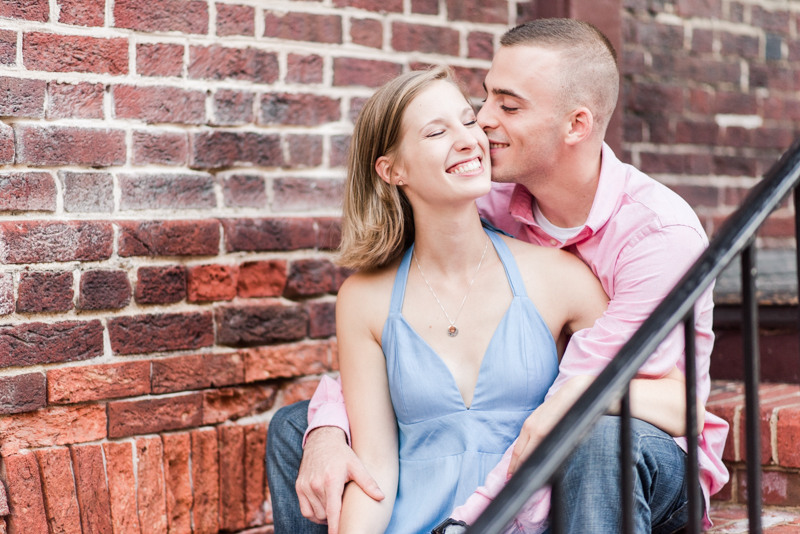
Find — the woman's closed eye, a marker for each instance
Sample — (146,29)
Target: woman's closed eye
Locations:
(435,134)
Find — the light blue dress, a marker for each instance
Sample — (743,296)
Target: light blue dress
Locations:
(447,449)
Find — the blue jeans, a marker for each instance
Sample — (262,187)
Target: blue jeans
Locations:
(284,452)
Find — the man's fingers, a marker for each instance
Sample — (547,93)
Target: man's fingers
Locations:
(333,509)
(358,474)
(305,506)
(518,450)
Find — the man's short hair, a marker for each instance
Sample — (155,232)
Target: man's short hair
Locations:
(590,76)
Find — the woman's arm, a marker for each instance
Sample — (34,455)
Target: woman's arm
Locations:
(373,426)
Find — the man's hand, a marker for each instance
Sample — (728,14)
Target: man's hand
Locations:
(545,417)
(328,464)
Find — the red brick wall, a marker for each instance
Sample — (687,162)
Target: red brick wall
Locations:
(169,191)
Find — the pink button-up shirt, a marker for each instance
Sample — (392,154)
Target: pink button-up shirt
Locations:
(639,239)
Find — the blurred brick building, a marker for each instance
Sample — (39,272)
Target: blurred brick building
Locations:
(169,191)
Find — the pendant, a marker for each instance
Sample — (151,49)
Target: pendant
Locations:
(452,331)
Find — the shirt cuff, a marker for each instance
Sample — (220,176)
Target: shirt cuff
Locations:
(329,415)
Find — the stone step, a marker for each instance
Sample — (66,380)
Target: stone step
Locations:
(732,519)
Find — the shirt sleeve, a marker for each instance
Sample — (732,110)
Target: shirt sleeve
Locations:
(327,408)
(645,273)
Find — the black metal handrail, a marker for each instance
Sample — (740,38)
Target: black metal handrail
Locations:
(737,236)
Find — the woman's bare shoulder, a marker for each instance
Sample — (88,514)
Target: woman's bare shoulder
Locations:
(367,293)
(529,255)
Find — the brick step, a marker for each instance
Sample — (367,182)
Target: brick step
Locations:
(780,434)
(732,519)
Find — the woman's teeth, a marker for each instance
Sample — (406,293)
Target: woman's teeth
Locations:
(469,166)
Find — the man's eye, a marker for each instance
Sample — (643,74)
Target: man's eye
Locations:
(508,109)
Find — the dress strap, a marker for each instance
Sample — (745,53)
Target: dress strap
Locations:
(509,263)
(400,282)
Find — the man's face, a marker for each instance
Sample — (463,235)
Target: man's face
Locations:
(524,116)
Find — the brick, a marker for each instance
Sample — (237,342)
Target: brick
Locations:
(309,277)
(69,145)
(54,425)
(169,238)
(7,305)
(208,283)
(734,166)
(659,36)
(166,191)
(58,485)
(219,63)
(150,494)
(250,325)
(27,191)
(6,144)
(700,8)
(244,191)
(655,98)
(772,138)
(148,416)
(48,241)
(299,391)
(233,107)
(235,20)
(428,7)
(140,334)
(177,486)
(772,77)
(422,38)
(90,480)
(220,405)
(299,194)
(162,15)
(87,192)
(788,432)
(255,450)
(25,500)
(367,32)
(200,371)
(262,235)
(739,45)
(330,233)
(702,41)
(36,10)
(232,477)
(82,12)
(737,103)
(697,133)
(340,145)
(45,292)
(285,361)
(74,53)
(675,163)
(22,393)
(356,104)
(160,148)
(22,98)
(480,45)
(710,71)
(35,343)
(304,69)
(75,101)
(161,285)
(160,104)
(122,487)
(98,382)
(478,10)
(303,27)
(205,478)
(298,109)
(777,488)
(472,80)
(211,150)
(381,6)
(262,278)
(366,72)
(304,151)
(772,21)
(321,319)
(159,59)
(104,290)
(8,47)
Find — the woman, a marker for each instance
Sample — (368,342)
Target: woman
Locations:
(449,335)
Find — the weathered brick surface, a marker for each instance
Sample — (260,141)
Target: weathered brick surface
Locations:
(236,402)
(321,319)
(122,487)
(73,53)
(304,151)
(166,191)
(90,480)
(244,190)
(168,238)
(177,486)
(299,391)
(82,12)
(199,371)
(160,147)
(58,487)
(46,241)
(153,333)
(160,104)
(7,150)
(235,20)
(366,72)
(262,278)
(36,343)
(268,234)
(150,488)
(8,47)
(87,192)
(22,393)
(212,150)
(104,290)
(233,107)
(22,98)
(260,324)
(7,305)
(417,37)
(205,481)
(219,63)
(161,285)
(232,477)
(45,292)
(69,145)
(27,191)
(130,418)
(298,109)
(255,474)
(37,10)
(25,499)
(56,425)
(367,32)
(159,59)
(162,15)
(305,69)
(79,101)
(303,27)
(97,382)
(310,277)
(295,194)
(207,283)
(285,361)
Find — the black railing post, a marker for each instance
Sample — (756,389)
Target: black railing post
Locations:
(796,193)
(692,466)
(751,379)
(626,462)
(557,507)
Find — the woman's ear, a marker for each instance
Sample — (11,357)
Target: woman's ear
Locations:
(388,171)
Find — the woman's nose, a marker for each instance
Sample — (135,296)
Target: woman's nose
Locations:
(466,139)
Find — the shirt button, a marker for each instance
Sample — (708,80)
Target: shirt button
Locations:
(553,242)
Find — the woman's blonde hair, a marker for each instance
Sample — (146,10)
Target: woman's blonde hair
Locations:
(377,222)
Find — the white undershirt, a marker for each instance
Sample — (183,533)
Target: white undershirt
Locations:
(562,234)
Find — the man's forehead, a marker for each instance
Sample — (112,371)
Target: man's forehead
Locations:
(519,67)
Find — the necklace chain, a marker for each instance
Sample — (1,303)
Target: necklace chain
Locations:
(453,331)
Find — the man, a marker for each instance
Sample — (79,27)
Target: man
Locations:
(552,88)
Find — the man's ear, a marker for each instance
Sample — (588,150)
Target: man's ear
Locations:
(387,170)
(581,126)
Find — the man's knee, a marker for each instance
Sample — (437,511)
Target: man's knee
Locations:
(287,427)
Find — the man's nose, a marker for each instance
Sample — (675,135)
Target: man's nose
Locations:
(485,118)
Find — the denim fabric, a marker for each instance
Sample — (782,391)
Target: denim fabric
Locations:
(284,452)
(591,487)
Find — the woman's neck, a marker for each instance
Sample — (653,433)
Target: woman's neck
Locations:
(449,241)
